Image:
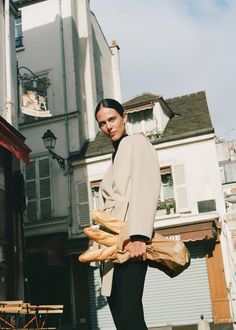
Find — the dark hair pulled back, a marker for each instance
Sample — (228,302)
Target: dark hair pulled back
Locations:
(110,103)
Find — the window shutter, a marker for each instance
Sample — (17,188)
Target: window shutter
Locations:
(83,205)
(180,189)
(31,192)
(38,190)
(44,189)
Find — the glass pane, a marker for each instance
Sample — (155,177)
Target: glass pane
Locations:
(206,206)
(168,192)
(167,185)
(135,119)
(19,42)
(18,20)
(18,31)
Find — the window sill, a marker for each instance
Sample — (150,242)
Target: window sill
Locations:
(20,49)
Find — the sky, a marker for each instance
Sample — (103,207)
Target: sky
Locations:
(174,48)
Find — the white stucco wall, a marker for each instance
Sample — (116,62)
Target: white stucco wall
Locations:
(201,169)
(42,48)
(198,155)
(102,62)
(43,53)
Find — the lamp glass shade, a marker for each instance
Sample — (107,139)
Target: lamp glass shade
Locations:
(49,140)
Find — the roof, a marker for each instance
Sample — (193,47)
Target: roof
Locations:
(191,118)
(191,115)
(141,98)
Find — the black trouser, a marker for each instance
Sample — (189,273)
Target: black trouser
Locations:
(125,301)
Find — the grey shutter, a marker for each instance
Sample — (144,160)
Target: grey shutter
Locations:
(44,189)
(180,188)
(100,315)
(83,205)
(167,301)
(31,192)
(180,300)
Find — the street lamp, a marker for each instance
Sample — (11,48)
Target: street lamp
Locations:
(49,140)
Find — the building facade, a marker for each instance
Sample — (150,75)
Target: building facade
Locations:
(71,69)
(191,208)
(226,151)
(65,67)
(12,150)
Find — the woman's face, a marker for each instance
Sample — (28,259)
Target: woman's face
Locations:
(111,123)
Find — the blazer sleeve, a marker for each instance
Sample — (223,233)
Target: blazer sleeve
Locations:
(145,187)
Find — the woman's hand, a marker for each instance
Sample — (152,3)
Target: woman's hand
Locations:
(136,249)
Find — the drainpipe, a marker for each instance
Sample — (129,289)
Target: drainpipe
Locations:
(66,123)
(115,58)
(9,102)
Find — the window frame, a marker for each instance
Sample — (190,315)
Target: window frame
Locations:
(20,36)
(38,198)
(129,123)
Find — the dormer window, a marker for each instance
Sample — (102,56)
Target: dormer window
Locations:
(148,114)
(141,121)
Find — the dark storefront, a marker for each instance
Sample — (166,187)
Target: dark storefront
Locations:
(12,205)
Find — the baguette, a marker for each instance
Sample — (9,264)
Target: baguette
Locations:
(107,221)
(105,253)
(101,236)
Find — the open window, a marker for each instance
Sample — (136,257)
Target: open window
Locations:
(166,204)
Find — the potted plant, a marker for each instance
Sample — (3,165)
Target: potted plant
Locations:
(167,205)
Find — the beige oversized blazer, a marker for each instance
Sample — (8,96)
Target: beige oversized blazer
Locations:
(130,191)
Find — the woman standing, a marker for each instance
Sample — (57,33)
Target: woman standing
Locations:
(130,191)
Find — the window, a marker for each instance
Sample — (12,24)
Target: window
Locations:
(173,193)
(18,32)
(166,183)
(141,121)
(206,206)
(38,190)
(94,185)
(228,172)
(167,200)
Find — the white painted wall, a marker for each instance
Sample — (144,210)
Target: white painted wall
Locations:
(8,84)
(198,155)
(201,170)
(73,96)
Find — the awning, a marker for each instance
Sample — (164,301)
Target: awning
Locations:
(192,232)
(12,140)
(94,184)
(139,108)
